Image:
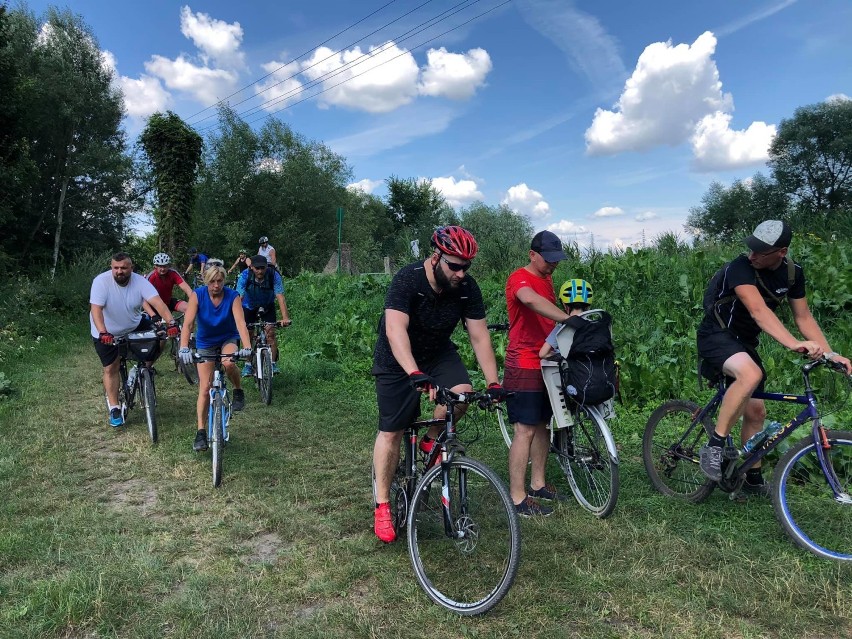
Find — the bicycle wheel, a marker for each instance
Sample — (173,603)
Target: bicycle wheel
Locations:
(264,380)
(471,570)
(216,437)
(190,371)
(587,455)
(506,429)
(804,503)
(149,401)
(670,450)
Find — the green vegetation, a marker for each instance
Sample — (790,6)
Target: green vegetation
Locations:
(103,535)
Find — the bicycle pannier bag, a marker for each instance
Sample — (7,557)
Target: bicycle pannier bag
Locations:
(145,345)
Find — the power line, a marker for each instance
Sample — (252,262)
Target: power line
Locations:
(293,60)
(310,67)
(362,59)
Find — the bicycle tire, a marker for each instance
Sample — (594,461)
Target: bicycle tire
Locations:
(149,401)
(805,505)
(586,452)
(217,443)
(471,573)
(506,428)
(264,380)
(190,371)
(670,448)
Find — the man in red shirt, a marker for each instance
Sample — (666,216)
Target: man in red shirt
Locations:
(533,313)
(165,278)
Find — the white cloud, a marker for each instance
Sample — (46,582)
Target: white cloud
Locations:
(454,75)
(217,39)
(524,200)
(367,85)
(203,83)
(716,146)
(838,97)
(565,229)
(281,87)
(647,215)
(366,185)
(670,90)
(673,96)
(608,211)
(457,193)
(142,97)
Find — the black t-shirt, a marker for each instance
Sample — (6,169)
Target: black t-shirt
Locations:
(735,315)
(432,317)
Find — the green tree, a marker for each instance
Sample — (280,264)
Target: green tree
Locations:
(416,208)
(811,157)
(173,153)
(503,236)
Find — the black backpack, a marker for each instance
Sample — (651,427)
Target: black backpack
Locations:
(589,373)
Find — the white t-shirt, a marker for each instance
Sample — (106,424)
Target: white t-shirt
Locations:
(122,304)
(266,252)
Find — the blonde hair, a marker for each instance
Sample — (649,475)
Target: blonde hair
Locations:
(211,272)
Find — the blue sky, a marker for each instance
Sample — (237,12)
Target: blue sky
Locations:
(597,119)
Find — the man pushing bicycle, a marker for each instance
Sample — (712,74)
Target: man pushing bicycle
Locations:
(740,304)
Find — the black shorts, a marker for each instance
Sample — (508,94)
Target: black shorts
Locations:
(716,347)
(252,314)
(216,350)
(108,354)
(399,403)
(530,404)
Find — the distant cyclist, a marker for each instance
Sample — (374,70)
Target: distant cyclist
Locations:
(261,286)
(196,259)
(242,262)
(268,251)
(165,278)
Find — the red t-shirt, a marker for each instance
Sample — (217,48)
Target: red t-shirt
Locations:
(165,285)
(527,329)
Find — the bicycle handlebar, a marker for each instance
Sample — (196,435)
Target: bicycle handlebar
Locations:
(234,357)
(498,327)
(480,398)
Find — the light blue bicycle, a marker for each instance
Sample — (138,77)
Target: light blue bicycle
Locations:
(219,412)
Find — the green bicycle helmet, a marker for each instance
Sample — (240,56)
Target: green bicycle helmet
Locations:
(576,291)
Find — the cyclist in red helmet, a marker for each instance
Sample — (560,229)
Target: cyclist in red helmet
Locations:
(414,354)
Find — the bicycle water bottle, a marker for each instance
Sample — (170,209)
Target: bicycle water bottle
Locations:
(756,440)
(131,378)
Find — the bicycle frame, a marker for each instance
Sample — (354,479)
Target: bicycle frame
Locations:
(218,388)
(810,412)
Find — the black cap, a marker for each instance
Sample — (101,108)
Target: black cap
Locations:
(259,260)
(769,235)
(549,246)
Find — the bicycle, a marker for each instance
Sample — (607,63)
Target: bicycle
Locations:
(811,483)
(581,441)
(189,372)
(218,413)
(261,358)
(462,528)
(143,347)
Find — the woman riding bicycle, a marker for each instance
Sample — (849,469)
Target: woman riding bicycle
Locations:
(219,314)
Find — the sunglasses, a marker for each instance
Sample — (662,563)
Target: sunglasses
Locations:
(259,268)
(454,266)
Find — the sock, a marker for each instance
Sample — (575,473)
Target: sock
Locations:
(754,476)
(716,440)
(114,407)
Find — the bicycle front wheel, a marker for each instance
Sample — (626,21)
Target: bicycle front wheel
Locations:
(264,380)
(804,503)
(217,442)
(469,568)
(149,401)
(670,448)
(587,455)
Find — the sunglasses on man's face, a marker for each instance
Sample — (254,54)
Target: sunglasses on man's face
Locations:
(455,267)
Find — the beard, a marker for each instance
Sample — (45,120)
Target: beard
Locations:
(441,279)
(121,280)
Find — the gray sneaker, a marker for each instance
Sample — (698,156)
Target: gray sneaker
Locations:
(763,489)
(711,462)
(239,400)
(531,508)
(200,443)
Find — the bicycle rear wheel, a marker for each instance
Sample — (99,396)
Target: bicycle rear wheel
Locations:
(190,371)
(217,442)
(264,380)
(149,401)
(587,455)
(804,503)
(670,448)
(471,570)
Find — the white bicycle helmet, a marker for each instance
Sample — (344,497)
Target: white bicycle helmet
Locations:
(215,261)
(263,239)
(162,259)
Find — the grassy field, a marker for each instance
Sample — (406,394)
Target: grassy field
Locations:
(104,535)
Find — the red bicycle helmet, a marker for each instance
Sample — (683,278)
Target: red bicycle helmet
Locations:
(454,240)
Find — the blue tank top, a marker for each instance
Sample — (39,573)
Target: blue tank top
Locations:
(215,325)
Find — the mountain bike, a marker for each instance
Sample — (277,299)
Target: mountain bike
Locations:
(142,348)
(219,412)
(811,483)
(261,357)
(463,534)
(190,372)
(581,441)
